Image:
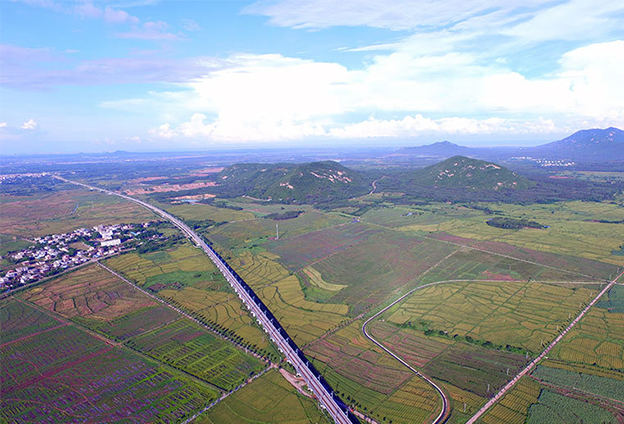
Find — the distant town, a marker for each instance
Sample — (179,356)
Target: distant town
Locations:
(52,254)
(543,162)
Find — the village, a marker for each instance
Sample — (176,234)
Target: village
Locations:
(52,254)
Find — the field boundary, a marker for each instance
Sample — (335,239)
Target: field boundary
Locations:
(418,373)
(184,314)
(533,363)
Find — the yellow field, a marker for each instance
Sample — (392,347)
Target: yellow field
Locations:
(571,231)
(221,306)
(269,399)
(316,279)
(514,406)
(225,309)
(200,211)
(519,314)
(597,339)
(303,325)
(459,398)
(259,269)
(139,268)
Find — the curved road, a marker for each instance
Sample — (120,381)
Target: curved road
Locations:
(328,399)
(444,413)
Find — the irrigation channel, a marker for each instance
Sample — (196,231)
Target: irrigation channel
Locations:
(328,399)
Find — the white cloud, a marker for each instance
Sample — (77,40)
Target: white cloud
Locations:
(395,15)
(163,131)
(262,97)
(116,16)
(156,31)
(3,124)
(412,126)
(571,20)
(191,25)
(109,14)
(29,125)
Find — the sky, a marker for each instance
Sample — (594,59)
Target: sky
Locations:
(149,75)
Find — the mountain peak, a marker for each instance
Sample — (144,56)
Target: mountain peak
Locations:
(439,149)
(593,136)
(474,174)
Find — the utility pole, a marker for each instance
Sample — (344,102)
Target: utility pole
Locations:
(276,231)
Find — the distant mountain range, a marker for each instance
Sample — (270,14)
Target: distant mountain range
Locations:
(593,145)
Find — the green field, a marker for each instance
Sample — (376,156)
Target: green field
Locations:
(247,233)
(269,399)
(553,408)
(188,347)
(602,386)
(65,375)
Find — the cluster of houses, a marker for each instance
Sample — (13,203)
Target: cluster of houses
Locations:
(8,177)
(545,162)
(55,253)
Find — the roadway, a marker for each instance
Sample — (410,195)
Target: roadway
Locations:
(533,363)
(445,410)
(328,399)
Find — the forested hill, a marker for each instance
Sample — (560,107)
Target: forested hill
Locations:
(463,172)
(310,182)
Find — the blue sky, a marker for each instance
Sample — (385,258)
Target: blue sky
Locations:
(143,75)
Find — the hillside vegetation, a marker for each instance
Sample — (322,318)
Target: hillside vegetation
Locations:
(313,182)
(463,172)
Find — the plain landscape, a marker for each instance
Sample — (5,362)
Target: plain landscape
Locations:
(467,293)
(319,211)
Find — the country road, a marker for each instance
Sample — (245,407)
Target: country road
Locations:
(315,381)
(443,415)
(533,363)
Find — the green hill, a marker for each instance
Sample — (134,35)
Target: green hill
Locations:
(462,172)
(303,183)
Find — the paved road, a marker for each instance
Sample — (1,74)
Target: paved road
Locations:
(444,412)
(530,367)
(324,393)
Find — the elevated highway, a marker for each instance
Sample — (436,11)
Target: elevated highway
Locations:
(315,381)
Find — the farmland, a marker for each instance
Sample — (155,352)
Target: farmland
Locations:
(367,378)
(101,301)
(250,232)
(555,408)
(269,399)
(325,270)
(94,298)
(573,229)
(64,374)
(64,211)
(598,339)
(514,406)
(186,276)
(186,346)
(594,384)
(375,267)
(304,320)
(530,313)
(468,367)
(470,264)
